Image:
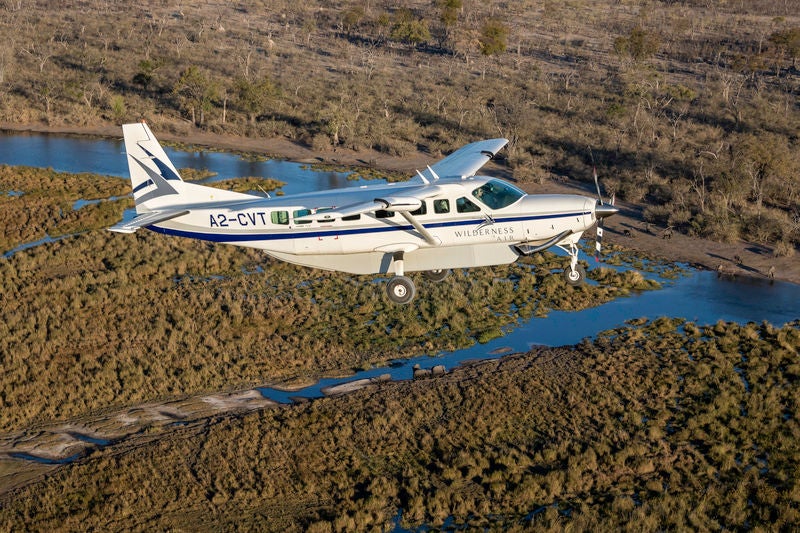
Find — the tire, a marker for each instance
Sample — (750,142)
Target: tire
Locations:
(401,290)
(436,275)
(575,277)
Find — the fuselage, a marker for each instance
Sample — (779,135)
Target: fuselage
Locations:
(476,221)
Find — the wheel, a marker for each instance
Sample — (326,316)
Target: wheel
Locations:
(401,290)
(575,277)
(437,275)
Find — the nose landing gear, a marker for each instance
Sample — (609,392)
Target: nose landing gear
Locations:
(575,274)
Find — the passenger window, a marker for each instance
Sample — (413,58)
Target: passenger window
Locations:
(300,213)
(463,205)
(279,217)
(381,213)
(441,206)
(352,217)
(423,209)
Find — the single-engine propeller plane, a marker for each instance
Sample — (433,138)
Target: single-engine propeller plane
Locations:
(447,218)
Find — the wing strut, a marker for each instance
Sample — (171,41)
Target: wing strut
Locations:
(430,239)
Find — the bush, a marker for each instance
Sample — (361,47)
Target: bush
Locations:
(784,248)
(657,214)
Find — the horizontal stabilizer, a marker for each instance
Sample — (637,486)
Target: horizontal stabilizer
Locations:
(146,219)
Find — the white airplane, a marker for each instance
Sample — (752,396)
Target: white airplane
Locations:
(447,219)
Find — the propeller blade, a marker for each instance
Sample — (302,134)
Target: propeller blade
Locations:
(597,184)
(601,211)
(598,242)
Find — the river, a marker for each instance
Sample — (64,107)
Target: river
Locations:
(72,153)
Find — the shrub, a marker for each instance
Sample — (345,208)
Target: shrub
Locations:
(784,248)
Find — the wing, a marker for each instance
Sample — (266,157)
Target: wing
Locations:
(146,219)
(465,161)
(409,201)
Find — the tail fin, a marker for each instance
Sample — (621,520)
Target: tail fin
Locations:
(153,176)
(156,183)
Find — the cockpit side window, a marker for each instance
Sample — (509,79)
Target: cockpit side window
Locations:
(463,205)
(423,209)
(497,194)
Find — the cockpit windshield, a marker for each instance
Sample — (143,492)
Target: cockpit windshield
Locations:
(497,194)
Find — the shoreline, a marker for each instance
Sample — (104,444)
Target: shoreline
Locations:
(627,228)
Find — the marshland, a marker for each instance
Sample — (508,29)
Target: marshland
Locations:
(129,361)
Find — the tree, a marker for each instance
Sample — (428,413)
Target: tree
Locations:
(196,92)
(409,29)
(253,97)
(449,14)
(639,45)
(448,17)
(351,18)
(763,162)
(494,35)
(788,43)
(147,69)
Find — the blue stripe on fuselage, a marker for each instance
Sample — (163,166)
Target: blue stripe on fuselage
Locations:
(242,237)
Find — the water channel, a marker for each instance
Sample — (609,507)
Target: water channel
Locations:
(68,153)
(698,296)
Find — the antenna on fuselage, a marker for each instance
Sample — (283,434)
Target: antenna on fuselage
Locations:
(262,190)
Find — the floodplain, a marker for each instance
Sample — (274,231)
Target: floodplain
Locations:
(132,362)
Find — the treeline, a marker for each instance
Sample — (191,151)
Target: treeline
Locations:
(662,425)
(689,108)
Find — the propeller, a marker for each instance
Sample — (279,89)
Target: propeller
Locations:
(601,211)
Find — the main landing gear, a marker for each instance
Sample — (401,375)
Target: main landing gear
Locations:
(401,289)
(575,274)
(437,275)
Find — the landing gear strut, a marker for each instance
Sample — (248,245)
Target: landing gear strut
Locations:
(400,289)
(575,274)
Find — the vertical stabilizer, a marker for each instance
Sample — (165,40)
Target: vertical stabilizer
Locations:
(153,176)
(156,183)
